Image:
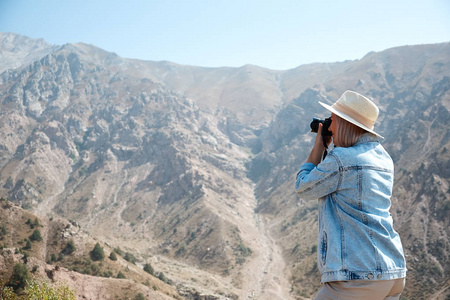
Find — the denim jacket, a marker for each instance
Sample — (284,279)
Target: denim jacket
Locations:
(357,240)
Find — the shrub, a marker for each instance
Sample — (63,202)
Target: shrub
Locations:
(120,275)
(162,277)
(113,256)
(25,257)
(36,236)
(149,269)
(3,230)
(19,277)
(28,245)
(97,253)
(118,251)
(69,248)
(107,274)
(6,292)
(36,291)
(244,250)
(130,257)
(139,296)
(95,269)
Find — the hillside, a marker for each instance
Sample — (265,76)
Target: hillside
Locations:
(49,258)
(193,168)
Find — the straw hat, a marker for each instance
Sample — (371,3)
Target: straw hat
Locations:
(356,109)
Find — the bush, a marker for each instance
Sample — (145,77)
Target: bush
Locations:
(95,269)
(113,256)
(97,253)
(120,275)
(130,257)
(33,224)
(244,250)
(36,291)
(107,274)
(162,277)
(28,245)
(149,269)
(6,292)
(3,230)
(118,251)
(139,296)
(36,236)
(69,248)
(19,277)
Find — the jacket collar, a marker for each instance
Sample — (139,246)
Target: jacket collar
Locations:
(367,138)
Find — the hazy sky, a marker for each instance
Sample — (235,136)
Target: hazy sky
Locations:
(276,34)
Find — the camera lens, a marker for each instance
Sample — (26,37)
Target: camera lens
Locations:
(315,124)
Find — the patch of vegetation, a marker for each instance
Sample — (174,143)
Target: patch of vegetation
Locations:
(120,275)
(113,256)
(244,250)
(130,258)
(33,224)
(149,269)
(118,251)
(19,277)
(43,291)
(162,277)
(3,231)
(36,236)
(69,248)
(139,296)
(34,290)
(88,267)
(28,245)
(97,253)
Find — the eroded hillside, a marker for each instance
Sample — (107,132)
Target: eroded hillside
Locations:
(60,254)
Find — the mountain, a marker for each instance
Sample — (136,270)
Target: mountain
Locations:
(193,168)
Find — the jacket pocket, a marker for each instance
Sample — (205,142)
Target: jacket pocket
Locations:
(323,247)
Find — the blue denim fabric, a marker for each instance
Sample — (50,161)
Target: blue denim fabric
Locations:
(357,240)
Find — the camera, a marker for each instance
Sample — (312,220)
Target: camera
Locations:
(325,125)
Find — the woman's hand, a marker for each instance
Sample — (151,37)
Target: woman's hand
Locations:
(315,156)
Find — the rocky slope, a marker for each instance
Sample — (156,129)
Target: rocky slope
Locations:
(48,259)
(193,167)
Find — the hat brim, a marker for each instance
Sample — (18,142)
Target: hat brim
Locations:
(348,118)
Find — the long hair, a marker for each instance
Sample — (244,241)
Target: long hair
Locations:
(347,133)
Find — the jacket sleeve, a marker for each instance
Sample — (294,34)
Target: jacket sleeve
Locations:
(314,182)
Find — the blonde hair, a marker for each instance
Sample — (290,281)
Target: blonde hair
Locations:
(347,133)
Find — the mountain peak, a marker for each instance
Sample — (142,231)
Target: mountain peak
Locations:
(17,50)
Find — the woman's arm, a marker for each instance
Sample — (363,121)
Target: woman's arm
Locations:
(316,179)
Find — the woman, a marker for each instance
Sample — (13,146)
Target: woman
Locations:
(360,255)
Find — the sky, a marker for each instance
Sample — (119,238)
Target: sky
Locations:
(276,34)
